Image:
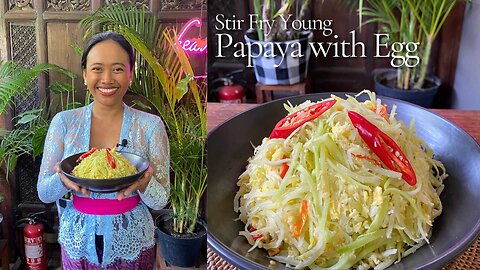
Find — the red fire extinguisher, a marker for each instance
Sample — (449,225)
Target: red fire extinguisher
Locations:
(230,89)
(232,93)
(33,235)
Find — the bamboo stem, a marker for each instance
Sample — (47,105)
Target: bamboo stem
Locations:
(406,82)
(399,78)
(266,17)
(423,68)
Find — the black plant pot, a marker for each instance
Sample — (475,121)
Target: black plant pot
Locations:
(183,251)
(275,70)
(423,97)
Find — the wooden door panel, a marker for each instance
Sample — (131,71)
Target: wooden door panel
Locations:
(60,39)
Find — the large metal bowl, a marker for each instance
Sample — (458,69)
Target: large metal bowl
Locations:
(230,145)
(105,185)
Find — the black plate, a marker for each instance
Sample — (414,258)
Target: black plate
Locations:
(229,147)
(105,185)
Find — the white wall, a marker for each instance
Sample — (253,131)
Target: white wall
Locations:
(466,94)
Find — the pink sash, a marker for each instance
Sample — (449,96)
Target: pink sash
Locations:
(104,206)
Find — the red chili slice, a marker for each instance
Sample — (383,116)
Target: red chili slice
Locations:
(284,170)
(86,154)
(384,147)
(287,125)
(256,236)
(110,159)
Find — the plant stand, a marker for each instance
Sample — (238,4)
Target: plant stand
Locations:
(264,92)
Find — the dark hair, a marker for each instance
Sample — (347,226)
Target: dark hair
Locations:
(106,36)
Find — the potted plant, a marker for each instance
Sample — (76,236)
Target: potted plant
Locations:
(408,22)
(164,77)
(181,233)
(273,33)
(30,127)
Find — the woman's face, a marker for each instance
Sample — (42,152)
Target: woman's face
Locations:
(107,73)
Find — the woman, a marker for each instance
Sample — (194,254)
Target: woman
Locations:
(99,238)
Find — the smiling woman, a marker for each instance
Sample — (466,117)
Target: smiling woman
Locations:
(99,238)
(107,70)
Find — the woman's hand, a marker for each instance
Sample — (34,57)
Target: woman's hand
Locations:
(140,185)
(69,183)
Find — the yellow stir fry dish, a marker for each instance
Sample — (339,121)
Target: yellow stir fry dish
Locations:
(340,184)
(103,164)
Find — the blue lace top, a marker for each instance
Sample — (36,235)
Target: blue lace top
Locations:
(125,235)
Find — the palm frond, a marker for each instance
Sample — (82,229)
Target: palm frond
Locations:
(118,15)
(16,81)
(162,75)
(14,144)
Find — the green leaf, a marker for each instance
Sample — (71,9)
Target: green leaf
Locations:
(141,105)
(27,118)
(32,111)
(38,140)
(258,11)
(74,105)
(12,162)
(2,153)
(17,81)
(78,50)
(3,133)
(182,87)
(60,88)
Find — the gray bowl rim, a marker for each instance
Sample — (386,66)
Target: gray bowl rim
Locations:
(449,255)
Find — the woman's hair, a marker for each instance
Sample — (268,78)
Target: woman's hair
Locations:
(106,36)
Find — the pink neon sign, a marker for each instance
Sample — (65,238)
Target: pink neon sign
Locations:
(192,45)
